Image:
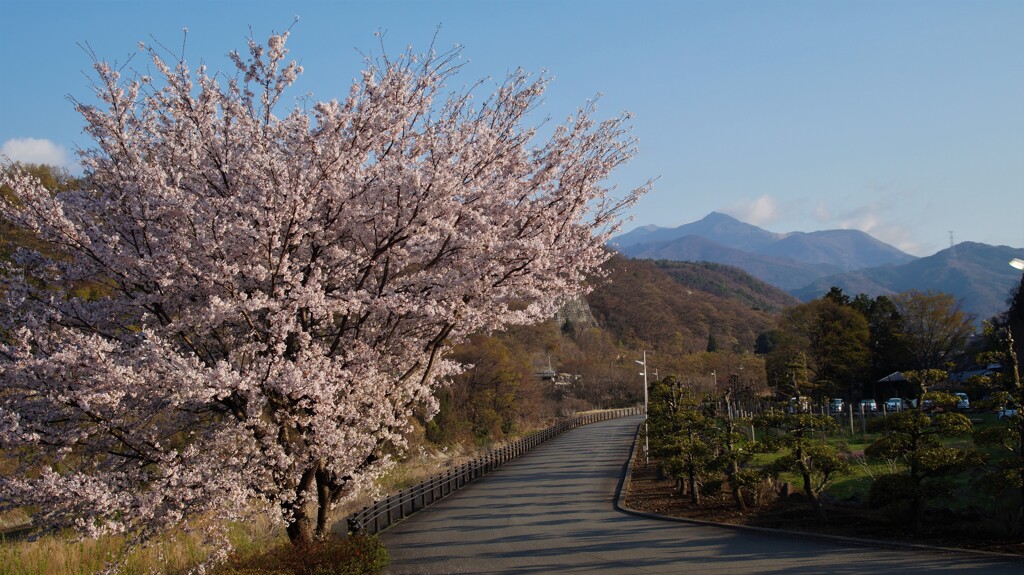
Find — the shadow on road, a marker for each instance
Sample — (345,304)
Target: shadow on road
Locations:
(552,511)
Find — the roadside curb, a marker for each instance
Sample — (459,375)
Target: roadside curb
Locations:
(623,488)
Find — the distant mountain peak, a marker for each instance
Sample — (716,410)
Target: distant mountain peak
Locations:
(789,260)
(809,263)
(975,273)
(716,226)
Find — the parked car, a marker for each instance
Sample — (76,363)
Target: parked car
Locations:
(800,404)
(836,405)
(1006,412)
(896,404)
(867,405)
(963,402)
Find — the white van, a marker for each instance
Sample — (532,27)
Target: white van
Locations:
(963,402)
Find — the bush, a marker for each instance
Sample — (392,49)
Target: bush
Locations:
(893,494)
(889,489)
(763,492)
(711,487)
(1002,514)
(354,555)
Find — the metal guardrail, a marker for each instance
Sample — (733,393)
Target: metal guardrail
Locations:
(395,507)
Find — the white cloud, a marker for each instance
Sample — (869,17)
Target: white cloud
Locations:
(36,151)
(758,212)
(863,218)
(877,216)
(822,213)
(870,219)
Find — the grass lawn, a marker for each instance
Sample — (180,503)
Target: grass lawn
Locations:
(964,495)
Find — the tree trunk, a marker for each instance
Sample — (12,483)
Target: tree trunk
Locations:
(324,500)
(917,499)
(812,496)
(734,483)
(300,530)
(1020,454)
(300,523)
(694,492)
(733,471)
(915,511)
(1018,393)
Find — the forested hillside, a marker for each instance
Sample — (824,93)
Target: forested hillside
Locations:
(975,273)
(728,282)
(692,320)
(52,178)
(675,307)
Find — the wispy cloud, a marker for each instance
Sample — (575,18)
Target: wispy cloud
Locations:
(870,218)
(876,218)
(864,218)
(759,211)
(36,151)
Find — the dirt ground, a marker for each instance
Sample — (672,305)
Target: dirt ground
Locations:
(648,493)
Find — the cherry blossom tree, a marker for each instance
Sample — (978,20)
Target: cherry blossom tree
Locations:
(248,305)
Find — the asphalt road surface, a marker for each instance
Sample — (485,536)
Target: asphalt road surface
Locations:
(553,511)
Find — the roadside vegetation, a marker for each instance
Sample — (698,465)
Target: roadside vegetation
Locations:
(874,485)
(921,468)
(745,417)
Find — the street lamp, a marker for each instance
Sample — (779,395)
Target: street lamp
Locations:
(646,441)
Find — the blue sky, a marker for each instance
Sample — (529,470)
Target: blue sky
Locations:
(904,119)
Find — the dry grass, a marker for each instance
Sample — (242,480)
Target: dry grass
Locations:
(14,519)
(176,553)
(172,554)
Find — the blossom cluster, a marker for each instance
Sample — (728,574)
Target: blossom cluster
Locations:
(248,306)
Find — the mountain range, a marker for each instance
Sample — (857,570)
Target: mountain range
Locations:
(807,265)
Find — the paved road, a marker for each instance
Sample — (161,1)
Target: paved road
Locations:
(552,511)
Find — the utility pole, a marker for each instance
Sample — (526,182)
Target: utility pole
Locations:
(647,443)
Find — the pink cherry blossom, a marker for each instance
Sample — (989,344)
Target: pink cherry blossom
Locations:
(244,305)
